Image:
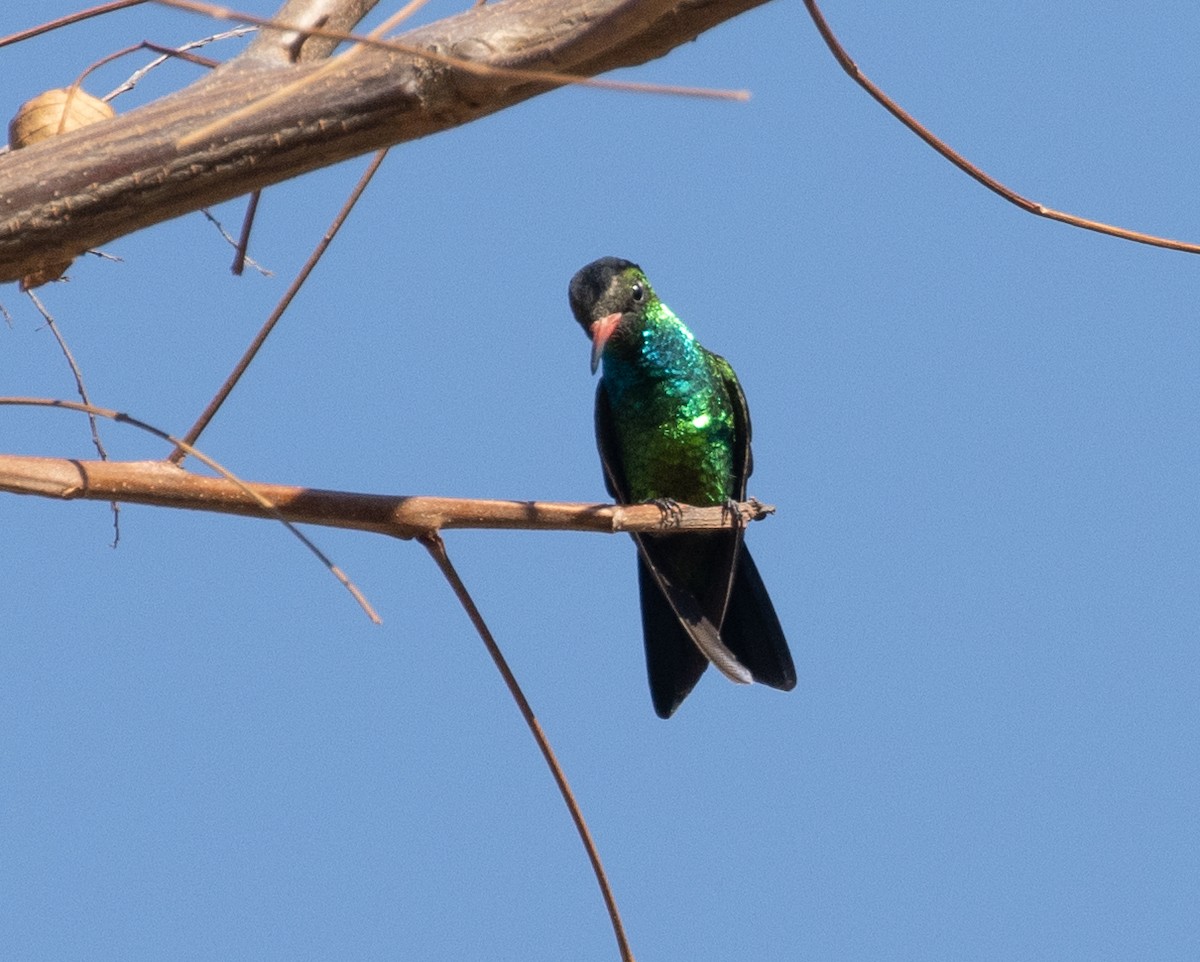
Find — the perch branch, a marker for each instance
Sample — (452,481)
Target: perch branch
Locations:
(164,485)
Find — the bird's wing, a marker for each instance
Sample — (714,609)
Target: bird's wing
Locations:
(743,460)
(610,451)
(751,628)
(742,463)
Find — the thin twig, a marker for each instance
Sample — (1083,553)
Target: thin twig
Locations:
(105,256)
(1010,195)
(264,332)
(437,549)
(398,17)
(68,20)
(233,242)
(470,66)
(80,388)
(81,486)
(243,241)
(83,396)
(167,53)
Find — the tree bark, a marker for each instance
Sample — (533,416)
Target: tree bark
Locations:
(279,110)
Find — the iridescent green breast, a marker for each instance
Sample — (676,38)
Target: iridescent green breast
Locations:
(672,416)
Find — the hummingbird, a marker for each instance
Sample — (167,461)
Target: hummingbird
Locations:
(672,426)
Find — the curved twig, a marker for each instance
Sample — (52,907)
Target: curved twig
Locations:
(87,480)
(988,181)
(437,549)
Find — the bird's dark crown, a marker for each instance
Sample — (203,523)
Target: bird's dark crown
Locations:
(591,291)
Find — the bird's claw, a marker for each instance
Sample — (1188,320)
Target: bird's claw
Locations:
(732,511)
(672,513)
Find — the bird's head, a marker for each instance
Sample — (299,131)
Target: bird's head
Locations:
(607,298)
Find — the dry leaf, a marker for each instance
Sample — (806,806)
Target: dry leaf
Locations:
(55,112)
(47,115)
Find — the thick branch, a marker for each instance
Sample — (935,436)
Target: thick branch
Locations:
(260,120)
(165,485)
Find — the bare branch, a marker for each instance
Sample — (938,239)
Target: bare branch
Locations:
(68,20)
(437,549)
(958,160)
(257,121)
(165,485)
(247,358)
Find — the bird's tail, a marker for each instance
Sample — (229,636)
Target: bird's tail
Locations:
(752,630)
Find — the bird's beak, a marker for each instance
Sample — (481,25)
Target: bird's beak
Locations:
(601,331)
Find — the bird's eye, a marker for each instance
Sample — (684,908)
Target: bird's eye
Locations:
(638,292)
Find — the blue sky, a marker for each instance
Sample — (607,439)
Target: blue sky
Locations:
(980,430)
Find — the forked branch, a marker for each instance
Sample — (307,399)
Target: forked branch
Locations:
(261,119)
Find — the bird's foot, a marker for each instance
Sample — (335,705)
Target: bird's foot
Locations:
(732,511)
(672,513)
